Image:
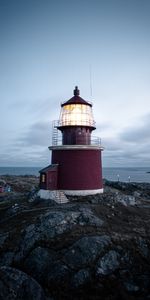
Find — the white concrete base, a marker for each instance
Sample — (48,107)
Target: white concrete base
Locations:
(56,195)
(48,194)
(82,192)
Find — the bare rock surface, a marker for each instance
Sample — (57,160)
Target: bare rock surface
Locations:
(14,284)
(85,251)
(108,263)
(93,247)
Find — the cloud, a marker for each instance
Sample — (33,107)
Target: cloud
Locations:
(38,134)
(140,133)
(26,110)
(29,149)
(25,157)
(102,126)
(111,144)
(131,146)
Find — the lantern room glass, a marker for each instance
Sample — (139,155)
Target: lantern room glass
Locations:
(76,114)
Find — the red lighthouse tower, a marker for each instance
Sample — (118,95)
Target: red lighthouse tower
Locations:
(76,167)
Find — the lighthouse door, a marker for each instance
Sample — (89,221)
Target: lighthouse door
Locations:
(52,180)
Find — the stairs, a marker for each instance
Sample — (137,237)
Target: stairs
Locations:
(59,197)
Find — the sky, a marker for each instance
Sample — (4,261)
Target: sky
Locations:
(47,48)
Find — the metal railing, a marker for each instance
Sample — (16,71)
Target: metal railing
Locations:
(57,136)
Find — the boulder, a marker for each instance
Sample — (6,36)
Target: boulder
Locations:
(15,284)
(58,274)
(131,286)
(143,247)
(3,239)
(126,199)
(6,258)
(84,252)
(80,278)
(38,262)
(52,225)
(108,263)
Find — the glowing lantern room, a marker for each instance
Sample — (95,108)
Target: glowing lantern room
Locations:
(76,112)
(76,121)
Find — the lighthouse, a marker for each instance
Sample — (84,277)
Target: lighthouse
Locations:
(76,167)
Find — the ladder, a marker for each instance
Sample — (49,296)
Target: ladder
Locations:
(54,133)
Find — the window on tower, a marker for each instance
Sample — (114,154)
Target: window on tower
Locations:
(43,178)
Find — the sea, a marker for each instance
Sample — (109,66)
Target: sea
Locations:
(127,174)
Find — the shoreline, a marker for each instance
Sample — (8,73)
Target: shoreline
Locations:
(37,176)
(138,174)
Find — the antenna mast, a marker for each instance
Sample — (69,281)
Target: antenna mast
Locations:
(91,92)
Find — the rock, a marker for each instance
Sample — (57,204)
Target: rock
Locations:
(87,217)
(108,263)
(131,287)
(126,199)
(51,225)
(58,274)
(22,184)
(80,278)
(6,259)
(93,247)
(3,238)
(38,262)
(15,284)
(85,251)
(137,194)
(143,247)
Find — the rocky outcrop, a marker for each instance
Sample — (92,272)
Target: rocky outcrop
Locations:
(94,247)
(15,284)
(39,261)
(85,251)
(51,225)
(139,188)
(108,263)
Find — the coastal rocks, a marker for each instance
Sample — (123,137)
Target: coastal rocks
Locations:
(58,274)
(143,247)
(80,278)
(87,217)
(6,258)
(112,198)
(15,284)
(94,247)
(52,225)
(39,261)
(133,188)
(85,251)
(21,184)
(123,186)
(126,200)
(135,282)
(3,239)
(108,263)
(131,286)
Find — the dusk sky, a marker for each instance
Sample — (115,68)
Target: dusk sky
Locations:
(47,47)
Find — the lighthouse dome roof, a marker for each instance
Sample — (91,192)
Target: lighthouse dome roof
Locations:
(76,99)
